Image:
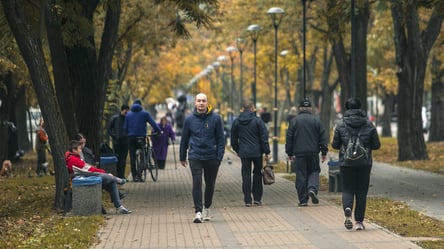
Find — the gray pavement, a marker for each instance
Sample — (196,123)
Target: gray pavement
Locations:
(163,212)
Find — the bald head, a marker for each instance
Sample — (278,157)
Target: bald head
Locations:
(201,103)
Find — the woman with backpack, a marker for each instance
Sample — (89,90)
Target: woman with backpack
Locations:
(355,131)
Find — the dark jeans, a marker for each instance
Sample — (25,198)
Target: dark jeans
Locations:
(109,183)
(355,183)
(41,159)
(257,187)
(121,150)
(209,169)
(133,145)
(307,175)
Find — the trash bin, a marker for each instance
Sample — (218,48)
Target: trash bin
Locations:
(87,195)
(108,163)
(334,176)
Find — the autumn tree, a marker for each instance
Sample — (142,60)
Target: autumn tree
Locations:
(414,39)
(81,61)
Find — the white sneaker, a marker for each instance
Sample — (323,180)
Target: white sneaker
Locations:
(198,218)
(123,210)
(206,214)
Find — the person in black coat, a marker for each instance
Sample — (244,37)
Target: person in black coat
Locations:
(120,139)
(355,179)
(305,139)
(249,138)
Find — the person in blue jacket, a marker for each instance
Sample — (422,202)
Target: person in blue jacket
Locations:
(135,127)
(203,138)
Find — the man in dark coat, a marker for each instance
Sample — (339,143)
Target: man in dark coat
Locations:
(249,138)
(120,139)
(305,138)
(204,142)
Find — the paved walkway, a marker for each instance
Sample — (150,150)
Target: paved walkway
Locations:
(163,212)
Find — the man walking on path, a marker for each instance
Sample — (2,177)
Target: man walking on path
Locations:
(305,138)
(120,139)
(135,126)
(203,138)
(249,138)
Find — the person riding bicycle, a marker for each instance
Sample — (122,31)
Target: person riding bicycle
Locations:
(135,127)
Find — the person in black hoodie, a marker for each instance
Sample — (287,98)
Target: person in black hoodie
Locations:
(249,138)
(120,139)
(305,138)
(355,179)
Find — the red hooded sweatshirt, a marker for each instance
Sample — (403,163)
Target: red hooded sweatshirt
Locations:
(73,160)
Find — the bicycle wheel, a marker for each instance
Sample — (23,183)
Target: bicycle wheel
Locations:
(152,165)
(140,164)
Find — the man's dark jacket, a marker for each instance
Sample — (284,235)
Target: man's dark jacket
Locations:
(306,136)
(249,136)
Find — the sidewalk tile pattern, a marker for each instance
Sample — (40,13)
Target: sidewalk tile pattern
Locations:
(162,218)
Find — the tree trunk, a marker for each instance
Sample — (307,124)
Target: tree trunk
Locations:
(389,102)
(412,50)
(31,50)
(327,92)
(437,114)
(340,55)
(361,19)
(60,67)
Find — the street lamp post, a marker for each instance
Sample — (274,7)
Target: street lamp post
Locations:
(240,44)
(276,14)
(304,11)
(231,50)
(216,66)
(222,61)
(254,31)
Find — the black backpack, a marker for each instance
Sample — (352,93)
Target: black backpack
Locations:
(355,154)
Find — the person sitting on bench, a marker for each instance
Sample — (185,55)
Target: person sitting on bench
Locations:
(77,165)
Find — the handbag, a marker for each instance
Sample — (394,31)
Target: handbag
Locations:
(268,174)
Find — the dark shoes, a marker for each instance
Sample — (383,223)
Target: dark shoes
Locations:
(348,223)
(313,196)
(257,203)
(302,204)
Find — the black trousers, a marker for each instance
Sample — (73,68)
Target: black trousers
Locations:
(307,175)
(121,151)
(355,183)
(209,169)
(256,188)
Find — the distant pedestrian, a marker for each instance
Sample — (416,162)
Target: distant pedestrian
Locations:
(135,127)
(305,139)
(203,139)
(120,139)
(265,115)
(292,114)
(40,147)
(161,142)
(355,179)
(249,138)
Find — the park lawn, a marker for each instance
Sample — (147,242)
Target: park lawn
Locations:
(388,153)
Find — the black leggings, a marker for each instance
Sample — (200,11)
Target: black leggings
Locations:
(355,183)
(209,169)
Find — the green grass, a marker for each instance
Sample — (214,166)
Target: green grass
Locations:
(27,219)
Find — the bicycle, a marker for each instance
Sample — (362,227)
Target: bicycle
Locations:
(145,159)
